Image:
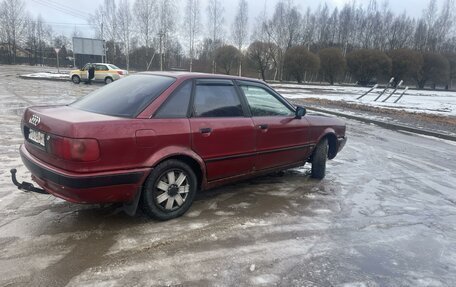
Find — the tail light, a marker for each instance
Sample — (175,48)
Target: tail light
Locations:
(120,72)
(74,149)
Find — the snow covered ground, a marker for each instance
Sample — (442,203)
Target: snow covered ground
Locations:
(431,102)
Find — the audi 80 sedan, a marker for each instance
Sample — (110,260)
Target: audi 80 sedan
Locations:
(155,139)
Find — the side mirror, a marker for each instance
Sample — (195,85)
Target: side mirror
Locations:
(300,112)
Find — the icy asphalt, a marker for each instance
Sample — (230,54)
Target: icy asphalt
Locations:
(384,216)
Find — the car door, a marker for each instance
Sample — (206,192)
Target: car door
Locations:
(281,138)
(100,72)
(84,72)
(222,134)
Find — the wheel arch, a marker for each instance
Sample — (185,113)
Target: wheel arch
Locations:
(186,156)
(194,165)
(330,135)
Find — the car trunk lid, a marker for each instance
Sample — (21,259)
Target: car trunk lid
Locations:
(42,124)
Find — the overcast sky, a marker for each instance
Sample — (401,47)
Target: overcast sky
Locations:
(54,11)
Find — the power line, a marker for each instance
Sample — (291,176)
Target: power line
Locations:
(67,7)
(62,10)
(65,24)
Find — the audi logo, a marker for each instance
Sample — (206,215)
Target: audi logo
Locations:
(34,120)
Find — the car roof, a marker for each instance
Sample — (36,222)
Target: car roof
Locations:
(195,75)
(100,64)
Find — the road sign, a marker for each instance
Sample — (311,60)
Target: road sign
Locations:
(57,50)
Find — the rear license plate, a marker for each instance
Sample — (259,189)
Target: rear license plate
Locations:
(36,137)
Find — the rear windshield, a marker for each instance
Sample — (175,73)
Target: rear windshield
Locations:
(114,67)
(126,97)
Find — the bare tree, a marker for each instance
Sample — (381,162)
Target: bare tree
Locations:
(192,27)
(239,29)
(41,36)
(308,28)
(215,23)
(31,40)
(38,37)
(332,64)
(284,31)
(258,53)
(226,57)
(145,12)
(299,61)
(13,23)
(444,22)
(105,20)
(430,17)
(124,23)
(105,24)
(166,27)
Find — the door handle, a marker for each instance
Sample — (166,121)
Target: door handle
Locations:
(263,126)
(205,130)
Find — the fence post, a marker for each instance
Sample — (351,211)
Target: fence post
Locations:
(373,88)
(397,87)
(405,90)
(387,86)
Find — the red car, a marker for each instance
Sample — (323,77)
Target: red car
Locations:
(157,138)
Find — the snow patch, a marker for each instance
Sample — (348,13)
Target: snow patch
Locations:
(265,279)
(224,213)
(47,75)
(419,101)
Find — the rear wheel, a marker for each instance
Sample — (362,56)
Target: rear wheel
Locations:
(108,80)
(169,190)
(75,79)
(319,158)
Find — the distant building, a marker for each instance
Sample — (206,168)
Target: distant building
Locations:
(5,47)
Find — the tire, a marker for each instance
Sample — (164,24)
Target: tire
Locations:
(319,158)
(164,201)
(75,79)
(108,80)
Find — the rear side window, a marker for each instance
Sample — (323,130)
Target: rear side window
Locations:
(126,97)
(101,68)
(217,100)
(176,106)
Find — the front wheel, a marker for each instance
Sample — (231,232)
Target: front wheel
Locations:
(319,158)
(169,190)
(76,79)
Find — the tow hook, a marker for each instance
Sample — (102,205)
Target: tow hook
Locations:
(25,186)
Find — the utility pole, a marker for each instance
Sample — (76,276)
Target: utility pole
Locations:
(103,59)
(160,35)
(214,68)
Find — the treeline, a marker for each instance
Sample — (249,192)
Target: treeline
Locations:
(364,66)
(284,42)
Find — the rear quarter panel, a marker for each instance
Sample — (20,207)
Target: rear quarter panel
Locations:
(133,143)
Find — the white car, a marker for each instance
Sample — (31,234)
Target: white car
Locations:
(103,73)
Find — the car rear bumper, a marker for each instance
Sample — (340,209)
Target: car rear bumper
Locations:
(106,187)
